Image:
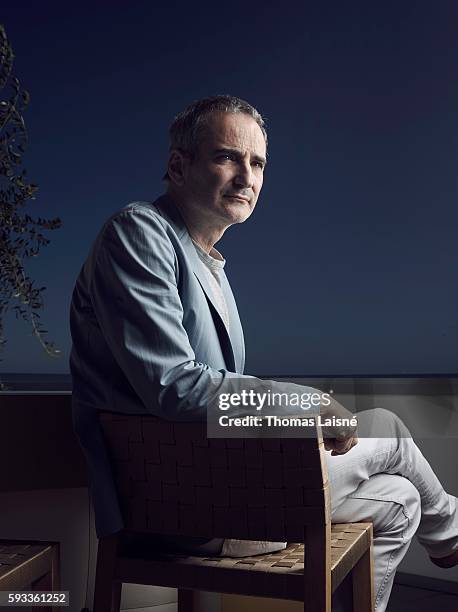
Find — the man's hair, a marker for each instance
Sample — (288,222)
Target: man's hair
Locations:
(186,129)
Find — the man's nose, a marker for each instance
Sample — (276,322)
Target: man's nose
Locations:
(244,176)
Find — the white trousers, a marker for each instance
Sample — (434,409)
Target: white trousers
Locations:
(389,482)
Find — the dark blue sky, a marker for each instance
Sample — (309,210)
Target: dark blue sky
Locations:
(349,264)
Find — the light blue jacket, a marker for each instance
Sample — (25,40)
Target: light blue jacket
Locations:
(147,334)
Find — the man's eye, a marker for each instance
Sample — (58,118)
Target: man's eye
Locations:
(259,164)
(226,156)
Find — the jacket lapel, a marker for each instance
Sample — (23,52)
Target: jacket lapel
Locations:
(231,341)
(235,326)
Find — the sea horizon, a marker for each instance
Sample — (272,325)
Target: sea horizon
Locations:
(358,383)
(14,381)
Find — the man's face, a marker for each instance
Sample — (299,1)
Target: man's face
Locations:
(224,179)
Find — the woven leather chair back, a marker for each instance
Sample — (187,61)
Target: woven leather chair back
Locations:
(172,480)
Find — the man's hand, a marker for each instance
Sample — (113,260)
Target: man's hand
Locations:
(340,447)
(338,438)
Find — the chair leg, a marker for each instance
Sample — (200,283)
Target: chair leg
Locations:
(51,580)
(116,596)
(317,571)
(107,593)
(363,583)
(185,600)
(44,583)
(55,568)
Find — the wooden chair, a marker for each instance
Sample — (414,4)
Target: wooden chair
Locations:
(172,480)
(30,566)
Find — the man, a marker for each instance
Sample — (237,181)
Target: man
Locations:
(155,329)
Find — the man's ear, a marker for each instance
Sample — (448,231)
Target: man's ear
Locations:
(177,167)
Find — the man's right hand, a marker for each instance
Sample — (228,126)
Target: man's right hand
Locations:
(338,438)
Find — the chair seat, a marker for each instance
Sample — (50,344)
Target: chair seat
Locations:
(279,575)
(22,563)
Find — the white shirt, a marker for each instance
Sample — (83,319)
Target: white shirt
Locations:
(213,265)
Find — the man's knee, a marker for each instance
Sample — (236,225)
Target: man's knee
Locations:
(386,424)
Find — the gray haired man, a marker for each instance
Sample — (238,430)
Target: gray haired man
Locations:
(155,329)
